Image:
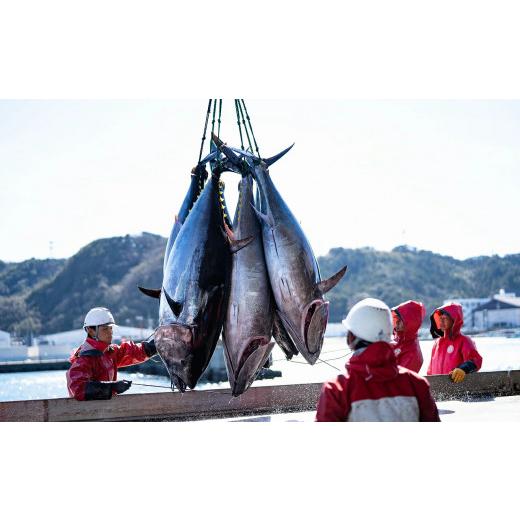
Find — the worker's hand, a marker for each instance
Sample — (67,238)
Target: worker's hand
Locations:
(457,375)
(150,348)
(121,386)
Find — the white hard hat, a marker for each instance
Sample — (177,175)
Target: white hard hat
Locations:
(370,320)
(98,316)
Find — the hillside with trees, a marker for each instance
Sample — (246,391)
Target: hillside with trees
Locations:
(45,296)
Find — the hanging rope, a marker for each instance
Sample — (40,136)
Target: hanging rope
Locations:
(251,128)
(245,126)
(219,114)
(239,125)
(214,113)
(205,129)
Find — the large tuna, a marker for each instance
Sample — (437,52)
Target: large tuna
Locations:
(249,319)
(293,270)
(194,291)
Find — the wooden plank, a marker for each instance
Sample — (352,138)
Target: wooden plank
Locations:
(24,411)
(203,404)
(199,404)
(478,383)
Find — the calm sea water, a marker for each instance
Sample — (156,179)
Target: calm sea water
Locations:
(498,354)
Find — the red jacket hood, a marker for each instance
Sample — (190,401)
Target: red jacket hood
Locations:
(376,361)
(92,345)
(454,310)
(412,313)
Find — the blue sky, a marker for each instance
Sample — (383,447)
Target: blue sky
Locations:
(438,175)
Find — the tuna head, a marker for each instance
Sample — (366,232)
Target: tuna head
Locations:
(308,336)
(254,354)
(175,345)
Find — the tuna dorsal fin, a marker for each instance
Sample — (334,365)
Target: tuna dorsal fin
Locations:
(176,307)
(267,218)
(153,293)
(326,285)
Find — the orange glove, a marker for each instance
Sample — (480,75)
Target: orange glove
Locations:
(457,375)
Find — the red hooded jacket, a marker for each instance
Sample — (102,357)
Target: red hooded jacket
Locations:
(375,388)
(453,349)
(406,347)
(97,361)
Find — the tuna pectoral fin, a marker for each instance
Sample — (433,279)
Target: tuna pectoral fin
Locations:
(234,244)
(262,217)
(176,307)
(153,293)
(282,338)
(329,283)
(237,245)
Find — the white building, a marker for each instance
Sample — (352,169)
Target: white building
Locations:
(5,339)
(468,306)
(61,344)
(500,312)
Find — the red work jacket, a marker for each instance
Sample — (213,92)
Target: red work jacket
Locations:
(406,345)
(97,361)
(453,348)
(375,388)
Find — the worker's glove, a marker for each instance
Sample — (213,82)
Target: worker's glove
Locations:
(121,386)
(98,390)
(457,375)
(149,348)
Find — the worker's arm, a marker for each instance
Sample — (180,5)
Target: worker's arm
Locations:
(130,353)
(79,374)
(99,390)
(332,404)
(428,411)
(472,361)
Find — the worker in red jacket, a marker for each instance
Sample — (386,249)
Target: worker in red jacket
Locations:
(408,317)
(93,371)
(452,352)
(374,387)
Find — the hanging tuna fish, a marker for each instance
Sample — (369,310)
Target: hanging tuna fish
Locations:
(249,319)
(293,270)
(194,291)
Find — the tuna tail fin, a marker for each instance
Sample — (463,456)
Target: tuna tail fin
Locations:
(153,293)
(326,285)
(274,158)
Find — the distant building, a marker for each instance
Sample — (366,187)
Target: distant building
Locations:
(500,312)
(61,344)
(470,305)
(5,339)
